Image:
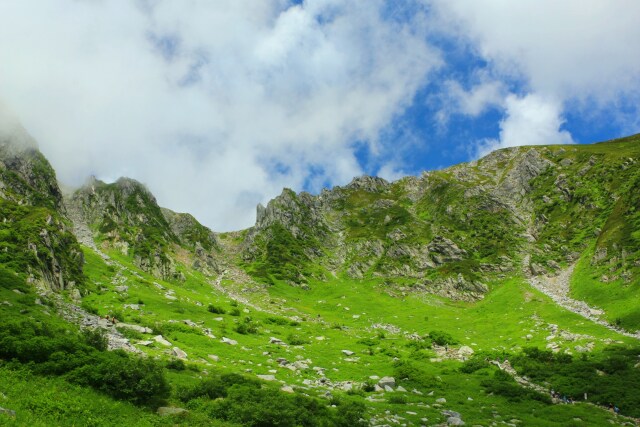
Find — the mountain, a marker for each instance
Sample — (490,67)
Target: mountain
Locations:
(125,216)
(463,295)
(35,236)
(450,232)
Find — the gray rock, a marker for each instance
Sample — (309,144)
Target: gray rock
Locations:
(214,357)
(465,351)
(122,288)
(175,351)
(387,382)
(229,341)
(348,352)
(267,377)
(160,340)
(455,421)
(137,328)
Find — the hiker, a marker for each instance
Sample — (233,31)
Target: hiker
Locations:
(611,407)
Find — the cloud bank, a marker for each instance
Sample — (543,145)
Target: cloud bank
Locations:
(217,106)
(580,53)
(214,105)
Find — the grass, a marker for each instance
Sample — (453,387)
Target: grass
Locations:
(388,323)
(339,315)
(617,298)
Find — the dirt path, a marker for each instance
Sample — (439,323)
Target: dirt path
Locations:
(558,288)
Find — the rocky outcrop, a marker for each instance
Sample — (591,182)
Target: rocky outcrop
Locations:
(125,216)
(36,235)
(189,231)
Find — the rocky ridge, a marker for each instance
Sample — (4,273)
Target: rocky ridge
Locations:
(448,232)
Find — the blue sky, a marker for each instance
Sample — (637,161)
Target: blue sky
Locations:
(216,106)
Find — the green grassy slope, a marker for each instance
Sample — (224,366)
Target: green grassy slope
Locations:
(383,328)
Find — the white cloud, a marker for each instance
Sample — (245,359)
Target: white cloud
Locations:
(579,53)
(571,48)
(473,102)
(530,120)
(214,105)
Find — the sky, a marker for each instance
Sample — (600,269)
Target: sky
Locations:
(218,105)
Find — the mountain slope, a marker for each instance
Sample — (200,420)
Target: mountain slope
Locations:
(35,237)
(125,216)
(449,232)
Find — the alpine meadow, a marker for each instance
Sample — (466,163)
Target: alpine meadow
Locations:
(498,292)
(320,213)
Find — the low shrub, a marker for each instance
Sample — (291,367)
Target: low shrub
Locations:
(216,309)
(295,339)
(442,338)
(81,359)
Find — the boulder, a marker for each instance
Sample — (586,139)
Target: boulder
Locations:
(267,377)
(455,421)
(348,352)
(175,351)
(160,340)
(229,341)
(387,382)
(465,351)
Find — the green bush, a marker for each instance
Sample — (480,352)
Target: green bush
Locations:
(414,374)
(398,399)
(79,358)
(608,377)
(247,326)
(474,364)
(295,339)
(442,338)
(176,365)
(277,320)
(216,309)
(504,385)
(96,338)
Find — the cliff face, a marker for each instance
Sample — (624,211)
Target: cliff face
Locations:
(451,231)
(35,238)
(126,216)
